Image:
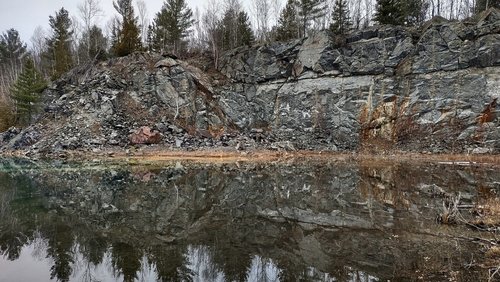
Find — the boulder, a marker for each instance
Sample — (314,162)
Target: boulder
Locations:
(166,63)
(145,135)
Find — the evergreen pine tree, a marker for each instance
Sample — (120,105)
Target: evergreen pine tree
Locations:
(341,21)
(94,45)
(309,10)
(12,52)
(26,92)
(288,26)
(12,49)
(235,29)
(127,39)
(172,25)
(414,11)
(151,38)
(227,29)
(389,12)
(244,29)
(400,12)
(59,52)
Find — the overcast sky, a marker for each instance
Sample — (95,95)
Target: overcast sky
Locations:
(26,15)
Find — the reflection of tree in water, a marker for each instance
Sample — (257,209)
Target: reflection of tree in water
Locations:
(234,216)
(60,249)
(290,271)
(92,246)
(16,199)
(234,261)
(126,260)
(171,263)
(11,244)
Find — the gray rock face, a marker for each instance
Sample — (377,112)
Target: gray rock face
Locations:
(384,87)
(380,88)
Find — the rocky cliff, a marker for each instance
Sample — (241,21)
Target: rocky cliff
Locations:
(384,88)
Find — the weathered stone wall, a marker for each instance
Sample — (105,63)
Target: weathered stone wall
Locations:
(385,86)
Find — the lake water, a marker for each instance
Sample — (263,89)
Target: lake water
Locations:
(285,221)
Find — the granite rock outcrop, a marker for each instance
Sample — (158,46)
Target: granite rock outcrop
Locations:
(431,89)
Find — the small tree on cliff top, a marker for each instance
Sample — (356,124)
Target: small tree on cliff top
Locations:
(341,21)
(59,51)
(172,25)
(288,25)
(128,37)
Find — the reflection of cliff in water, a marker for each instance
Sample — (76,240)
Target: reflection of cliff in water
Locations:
(227,222)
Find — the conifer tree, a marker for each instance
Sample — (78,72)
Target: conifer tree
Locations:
(288,27)
(341,21)
(400,12)
(414,12)
(389,12)
(26,92)
(235,29)
(227,29)
(309,10)
(150,38)
(93,47)
(172,25)
(127,39)
(59,45)
(12,49)
(244,28)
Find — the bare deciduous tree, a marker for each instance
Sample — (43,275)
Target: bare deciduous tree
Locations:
(356,13)
(261,14)
(276,8)
(75,38)
(197,37)
(38,45)
(368,7)
(89,11)
(142,10)
(211,21)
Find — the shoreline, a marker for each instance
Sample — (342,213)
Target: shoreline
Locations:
(223,155)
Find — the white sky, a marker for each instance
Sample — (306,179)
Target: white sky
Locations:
(26,15)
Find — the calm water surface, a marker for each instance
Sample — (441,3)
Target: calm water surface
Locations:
(295,221)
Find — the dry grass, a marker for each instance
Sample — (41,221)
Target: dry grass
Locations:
(6,115)
(493,252)
(488,213)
